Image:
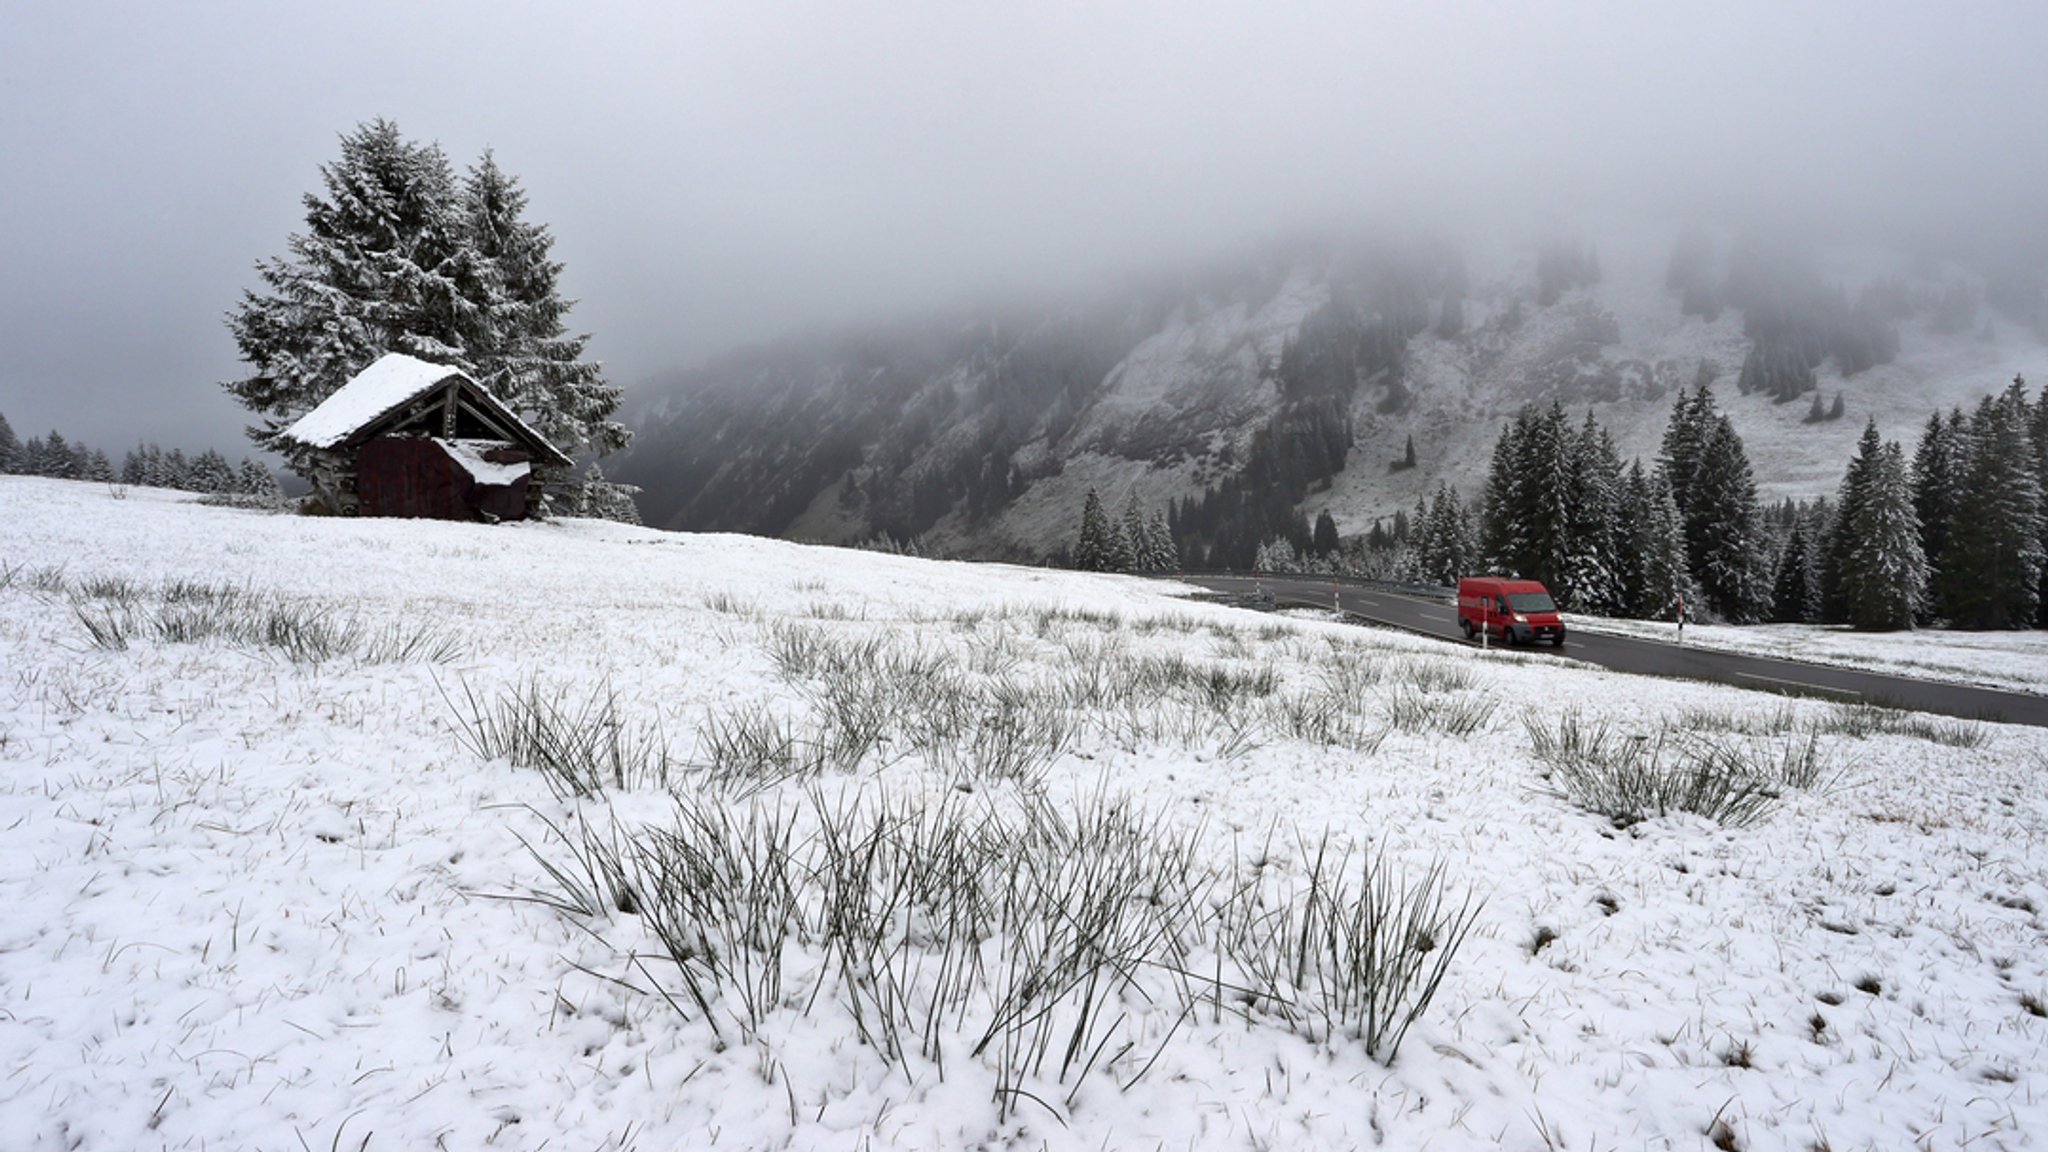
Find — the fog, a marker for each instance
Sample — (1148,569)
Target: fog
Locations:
(721,174)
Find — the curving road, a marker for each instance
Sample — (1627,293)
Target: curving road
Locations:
(1653,658)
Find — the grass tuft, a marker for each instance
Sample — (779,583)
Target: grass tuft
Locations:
(582,748)
(1628,777)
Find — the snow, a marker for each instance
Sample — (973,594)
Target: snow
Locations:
(2011,661)
(258,903)
(469,455)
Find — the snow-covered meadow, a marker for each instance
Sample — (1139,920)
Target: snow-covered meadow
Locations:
(281,865)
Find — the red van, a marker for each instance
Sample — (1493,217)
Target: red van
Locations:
(1516,611)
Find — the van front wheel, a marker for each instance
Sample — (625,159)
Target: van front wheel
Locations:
(1467,626)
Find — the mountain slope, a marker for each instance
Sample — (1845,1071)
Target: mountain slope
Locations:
(1303,377)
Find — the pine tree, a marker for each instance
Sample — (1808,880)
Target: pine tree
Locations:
(604,500)
(1327,542)
(1547,457)
(1444,548)
(156,468)
(1724,531)
(1092,550)
(212,474)
(1884,574)
(253,479)
(1117,552)
(381,267)
(1938,465)
(10,448)
(1501,536)
(1591,581)
(1163,557)
(1654,570)
(1835,607)
(522,351)
(1136,534)
(1685,438)
(1992,579)
(1795,595)
(99,469)
(57,462)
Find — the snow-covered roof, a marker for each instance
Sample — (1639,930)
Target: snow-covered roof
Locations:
(469,456)
(392,382)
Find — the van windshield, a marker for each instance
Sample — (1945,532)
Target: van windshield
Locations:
(1531,602)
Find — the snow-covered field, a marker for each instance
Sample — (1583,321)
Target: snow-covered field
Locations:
(259,901)
(2012,661)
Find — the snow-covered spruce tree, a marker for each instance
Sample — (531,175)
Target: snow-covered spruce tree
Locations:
(1092,549)
(1116,553)
(523,351)
(1685,438)
(1992,579)
(603,500)
(1444,549)
(1937,492)
(1527,493)
(381,267)
(10,448)
(1547,461)
(1724,537)
(1795,595)
(177,470)
(1137,535)
(254,480)
(1326,541)
(1652,542)
(2039,428)
(1159,536)
(1591,582)
(1885,574)
(1834,597)
(212,474)
(1276,555)
(1502,540)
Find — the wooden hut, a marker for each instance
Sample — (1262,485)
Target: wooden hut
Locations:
(409,438)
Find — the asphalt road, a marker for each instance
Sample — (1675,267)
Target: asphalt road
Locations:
(1655,658)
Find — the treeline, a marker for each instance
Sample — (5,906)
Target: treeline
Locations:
(1957,536)
(1133,542)
(209,472)
(1981,511)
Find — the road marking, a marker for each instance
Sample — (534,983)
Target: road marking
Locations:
(1801,685)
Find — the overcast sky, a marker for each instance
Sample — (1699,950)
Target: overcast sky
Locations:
(717,174)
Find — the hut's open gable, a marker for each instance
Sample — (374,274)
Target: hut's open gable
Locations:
(406,437)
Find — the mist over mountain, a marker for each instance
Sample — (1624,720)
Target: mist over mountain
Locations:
(1290,379)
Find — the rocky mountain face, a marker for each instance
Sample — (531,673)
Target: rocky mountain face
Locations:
(1257,395)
